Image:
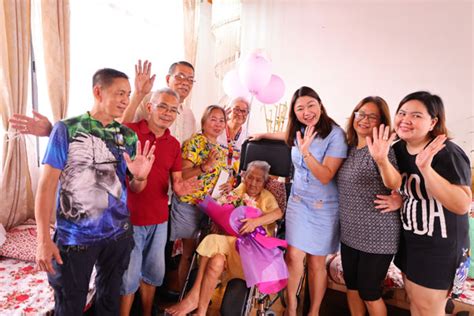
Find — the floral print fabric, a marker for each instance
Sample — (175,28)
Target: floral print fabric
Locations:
(196,149)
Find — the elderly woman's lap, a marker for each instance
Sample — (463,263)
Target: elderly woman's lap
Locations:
(225,245)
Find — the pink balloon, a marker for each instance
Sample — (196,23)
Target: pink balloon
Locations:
(233,86)
(255,72)
(273,92)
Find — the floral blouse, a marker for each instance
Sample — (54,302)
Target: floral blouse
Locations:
(196,149)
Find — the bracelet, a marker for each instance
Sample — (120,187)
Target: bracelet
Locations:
(307,155)
(139,179)
(202,169)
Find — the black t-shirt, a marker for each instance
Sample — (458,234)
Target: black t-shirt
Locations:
(428,225)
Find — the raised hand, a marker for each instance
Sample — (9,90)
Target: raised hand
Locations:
(380,143)
(305,141)
(211,160)
(225,188)
(389,203)
(140,166)
(143,79)
(425,157)
(185,187)
(38,125)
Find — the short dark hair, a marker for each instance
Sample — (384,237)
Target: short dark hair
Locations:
(324,125)
(182,62)
(106,76)
(435,107)
(381,104)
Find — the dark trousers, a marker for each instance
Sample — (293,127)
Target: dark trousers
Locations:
(71,280)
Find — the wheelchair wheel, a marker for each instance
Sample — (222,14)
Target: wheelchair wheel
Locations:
(236,297)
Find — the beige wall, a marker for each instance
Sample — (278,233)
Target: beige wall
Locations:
(347,50)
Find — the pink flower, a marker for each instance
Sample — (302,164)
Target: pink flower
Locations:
(22,297)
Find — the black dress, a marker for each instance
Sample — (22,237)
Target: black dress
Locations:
(434,248)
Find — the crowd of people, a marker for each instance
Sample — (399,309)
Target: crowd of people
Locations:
(378,192)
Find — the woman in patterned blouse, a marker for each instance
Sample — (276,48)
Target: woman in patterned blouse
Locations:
(369,233)
(204,158)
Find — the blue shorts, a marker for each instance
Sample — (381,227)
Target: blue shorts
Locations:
(147,260)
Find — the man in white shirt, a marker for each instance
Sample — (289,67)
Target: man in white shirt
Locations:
(180,78)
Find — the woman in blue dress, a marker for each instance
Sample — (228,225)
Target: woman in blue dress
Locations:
(312,216)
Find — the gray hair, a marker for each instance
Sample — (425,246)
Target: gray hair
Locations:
(240,99)
(262,165)
(155,95)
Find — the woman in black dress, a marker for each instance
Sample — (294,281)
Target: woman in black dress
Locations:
(434,248)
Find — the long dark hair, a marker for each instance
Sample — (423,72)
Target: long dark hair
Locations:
(434,106)
(324,125)
(381,104)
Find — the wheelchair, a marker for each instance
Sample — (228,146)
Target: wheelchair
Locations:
(237,298)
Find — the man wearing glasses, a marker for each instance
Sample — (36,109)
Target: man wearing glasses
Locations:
(180,78)
(149,208)
(89,157)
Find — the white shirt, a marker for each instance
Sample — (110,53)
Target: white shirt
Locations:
(185,124)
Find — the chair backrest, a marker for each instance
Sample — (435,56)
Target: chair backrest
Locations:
(275,152)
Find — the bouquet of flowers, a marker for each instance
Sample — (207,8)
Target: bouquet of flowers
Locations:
(262,260)
(236,200)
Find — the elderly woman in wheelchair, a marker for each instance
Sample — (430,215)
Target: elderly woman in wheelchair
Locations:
(218,252)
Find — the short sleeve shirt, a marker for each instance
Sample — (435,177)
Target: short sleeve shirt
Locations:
(92,195)
(196,149)
(266,202)
(150,206)
(425,221)
(305,183)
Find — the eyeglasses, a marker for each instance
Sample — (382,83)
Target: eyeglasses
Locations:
(362,115)
(164,108)
(183,77)
(241,111)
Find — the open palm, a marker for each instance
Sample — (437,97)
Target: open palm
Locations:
(379,144)
(141,165)
(143,78)
(305,142)
(425,157)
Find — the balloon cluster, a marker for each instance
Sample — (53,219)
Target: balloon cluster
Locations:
(254,77)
